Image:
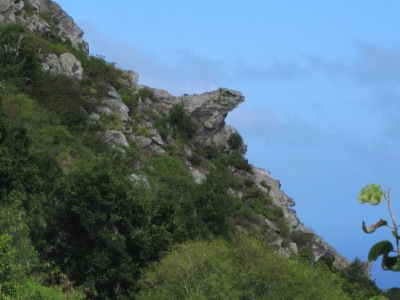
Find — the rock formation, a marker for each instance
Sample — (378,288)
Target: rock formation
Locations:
(29,12)
(66,64)
(208,111)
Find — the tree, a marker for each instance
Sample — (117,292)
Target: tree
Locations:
(100,228)
(245,268)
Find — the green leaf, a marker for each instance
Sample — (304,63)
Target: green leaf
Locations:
(391,263)
(395,234)
(381,248)
(371,194)
(371,229)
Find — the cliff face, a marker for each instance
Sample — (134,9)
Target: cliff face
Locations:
(43,17)
(208,112)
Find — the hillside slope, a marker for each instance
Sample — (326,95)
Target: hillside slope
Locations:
(101,176)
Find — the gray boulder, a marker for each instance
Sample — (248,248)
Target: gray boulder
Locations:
(66,64)
(129,79)
(116,138)
(10,10)
(114,102)
(140,179)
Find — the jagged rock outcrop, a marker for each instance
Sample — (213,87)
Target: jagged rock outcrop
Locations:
(320,248)
(29,13)
(115,103)
(210,109)
(66,64)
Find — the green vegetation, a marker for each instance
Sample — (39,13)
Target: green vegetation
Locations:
(18,59)
(244,268)
(74,226)
(235,141)
(181,121)
(374,195)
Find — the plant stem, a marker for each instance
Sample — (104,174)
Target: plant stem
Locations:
(393,220)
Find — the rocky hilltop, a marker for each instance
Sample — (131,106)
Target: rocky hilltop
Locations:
(43,17)
(208,112)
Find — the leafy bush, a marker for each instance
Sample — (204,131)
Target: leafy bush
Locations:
(212,207)
(101,229)
(18,59)
(235,141)
(129,99)
(357,284)
(62,95)
(235,160)
(244,269)
(147,93)
(15,170)
(181,121)
(99,74)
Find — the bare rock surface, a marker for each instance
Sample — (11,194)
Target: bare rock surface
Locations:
(210,109)
(12,11)
(66,64)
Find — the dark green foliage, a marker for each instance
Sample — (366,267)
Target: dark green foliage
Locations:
(195,159)
(236,160)
(235,141)
(129,99)
(18,59)
(357,283)
(15,170)
(99,74)
(101,229)
(181,121)
(28,7)
(213,207)
(161,124)
(62,95)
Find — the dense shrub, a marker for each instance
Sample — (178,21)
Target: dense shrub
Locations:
(101,229)
(244,269)
(181,121)
(211,210)
(18,59)
(235,141)
(62,95)
(357,283)
(99,73)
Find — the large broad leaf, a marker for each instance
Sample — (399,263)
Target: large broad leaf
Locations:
(381,248)
(391,263)
(371,194)
(371,229)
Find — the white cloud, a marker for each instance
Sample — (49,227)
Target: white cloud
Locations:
(375,64)
(326,65)
(261,122)
(278,69)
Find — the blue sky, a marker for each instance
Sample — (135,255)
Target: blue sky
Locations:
(321,81)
